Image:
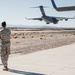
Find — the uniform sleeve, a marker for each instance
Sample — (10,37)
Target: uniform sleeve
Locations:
(0,34)
(10,32)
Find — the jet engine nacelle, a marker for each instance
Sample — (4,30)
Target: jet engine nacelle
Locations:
(55,21)
(40,19)
(66,19)
(47,23)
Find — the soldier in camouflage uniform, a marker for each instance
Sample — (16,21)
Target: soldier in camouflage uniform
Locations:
(5,45)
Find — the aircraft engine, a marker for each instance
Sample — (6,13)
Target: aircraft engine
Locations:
(55,21)
(66,19)
(47,23)
(40,19)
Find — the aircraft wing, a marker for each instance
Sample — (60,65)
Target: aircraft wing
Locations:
(69,8)
(64,18)
(34,19)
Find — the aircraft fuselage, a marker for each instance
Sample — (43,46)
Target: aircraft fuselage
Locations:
(48,19)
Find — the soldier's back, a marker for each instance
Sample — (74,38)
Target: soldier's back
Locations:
(5,35)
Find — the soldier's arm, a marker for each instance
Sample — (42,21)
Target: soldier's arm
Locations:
(10,34)
(0,34)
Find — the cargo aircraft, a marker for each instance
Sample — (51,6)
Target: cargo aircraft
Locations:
(48,19)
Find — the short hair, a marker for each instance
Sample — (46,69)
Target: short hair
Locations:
(4,24)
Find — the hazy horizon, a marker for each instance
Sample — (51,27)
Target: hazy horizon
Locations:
(35,26)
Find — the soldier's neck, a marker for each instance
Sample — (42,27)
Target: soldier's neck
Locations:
(4,27)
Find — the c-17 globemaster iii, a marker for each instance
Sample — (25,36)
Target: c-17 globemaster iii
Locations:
(48,19)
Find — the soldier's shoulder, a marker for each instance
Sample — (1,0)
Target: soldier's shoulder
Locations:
(5,30)
(1,30)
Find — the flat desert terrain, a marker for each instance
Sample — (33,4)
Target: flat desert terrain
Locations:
(24,41)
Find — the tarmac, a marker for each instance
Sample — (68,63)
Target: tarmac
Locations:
(56,61)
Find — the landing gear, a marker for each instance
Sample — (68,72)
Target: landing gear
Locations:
(47,23)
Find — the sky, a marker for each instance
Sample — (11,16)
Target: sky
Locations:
(15,11)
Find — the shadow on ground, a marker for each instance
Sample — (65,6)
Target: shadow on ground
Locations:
(23,72)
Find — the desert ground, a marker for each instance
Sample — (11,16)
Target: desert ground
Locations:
(24,40)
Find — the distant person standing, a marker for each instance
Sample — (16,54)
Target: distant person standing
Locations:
(5,45)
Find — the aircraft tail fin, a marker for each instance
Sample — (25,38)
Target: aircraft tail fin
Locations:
(42,10)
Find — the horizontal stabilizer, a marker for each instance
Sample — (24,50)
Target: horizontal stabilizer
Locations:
(34,18)
(40,7)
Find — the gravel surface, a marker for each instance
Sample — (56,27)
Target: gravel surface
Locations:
(28,42)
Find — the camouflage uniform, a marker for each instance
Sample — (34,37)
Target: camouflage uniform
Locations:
(5,45)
